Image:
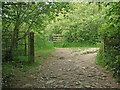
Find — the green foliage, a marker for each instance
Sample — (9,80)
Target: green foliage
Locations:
(75,44)
(100,60)
(110,35)
(21,66)
(41,42)
(27,16)
(79,25)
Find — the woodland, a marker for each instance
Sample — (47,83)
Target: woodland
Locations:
(81,24)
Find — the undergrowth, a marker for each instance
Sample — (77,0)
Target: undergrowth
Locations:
(75,45)
(110,61)
(20,65)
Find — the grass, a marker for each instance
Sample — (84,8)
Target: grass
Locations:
(21,65)
(76,45)
(100,60)
(22,61)
(41,54)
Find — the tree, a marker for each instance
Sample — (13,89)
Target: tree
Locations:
(80,25)
(110,35)
(24,16)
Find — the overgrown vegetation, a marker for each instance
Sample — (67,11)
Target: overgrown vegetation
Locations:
(80,24)
(109,54)
(79,27)
(20,18)
(26,17)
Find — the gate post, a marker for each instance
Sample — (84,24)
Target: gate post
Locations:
(31,47)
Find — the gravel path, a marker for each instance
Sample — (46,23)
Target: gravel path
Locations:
(68,68)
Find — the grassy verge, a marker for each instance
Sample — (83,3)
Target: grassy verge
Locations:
(100,58)
(21,66)
(109,61)
(22,62)
(76,45)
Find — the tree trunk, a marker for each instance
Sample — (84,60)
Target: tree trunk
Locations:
(14,37)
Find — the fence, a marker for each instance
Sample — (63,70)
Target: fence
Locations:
(23,47)
(57,38)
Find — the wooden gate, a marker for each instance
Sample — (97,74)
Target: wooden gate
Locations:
(57,38)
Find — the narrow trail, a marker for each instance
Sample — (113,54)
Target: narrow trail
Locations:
(67,68)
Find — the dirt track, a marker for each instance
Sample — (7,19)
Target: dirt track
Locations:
(68,68)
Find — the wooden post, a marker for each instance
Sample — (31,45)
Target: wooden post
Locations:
(31,47)
(103,46)
(25,46)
